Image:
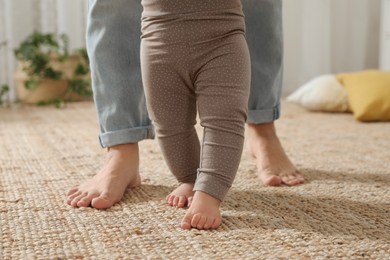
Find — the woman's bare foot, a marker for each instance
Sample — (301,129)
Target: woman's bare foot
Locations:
(108,186)
(181,196)
(204,212)
(273,164)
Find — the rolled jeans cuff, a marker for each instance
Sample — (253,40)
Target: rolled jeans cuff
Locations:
(262,116)
(133,135)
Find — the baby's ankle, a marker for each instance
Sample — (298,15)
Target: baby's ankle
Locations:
(207,198)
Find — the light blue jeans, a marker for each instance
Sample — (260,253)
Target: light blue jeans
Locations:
(113,44)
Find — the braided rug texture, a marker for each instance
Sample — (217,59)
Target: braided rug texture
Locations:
(343,210)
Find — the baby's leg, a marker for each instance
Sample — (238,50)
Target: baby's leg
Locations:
(171,104)
(181,150)
(222,88)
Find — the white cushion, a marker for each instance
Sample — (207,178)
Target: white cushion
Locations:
(324,93)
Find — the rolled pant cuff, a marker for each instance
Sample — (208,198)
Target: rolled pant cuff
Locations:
(217,192)
(132,135)
(262,116)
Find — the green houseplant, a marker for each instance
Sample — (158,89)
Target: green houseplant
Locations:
(48,73)
(4,88)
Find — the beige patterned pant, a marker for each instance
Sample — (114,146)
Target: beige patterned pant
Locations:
(194,58)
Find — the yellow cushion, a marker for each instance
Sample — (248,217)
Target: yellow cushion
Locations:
(368,94)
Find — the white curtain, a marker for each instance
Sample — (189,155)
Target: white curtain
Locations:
(320,36)
(329,36)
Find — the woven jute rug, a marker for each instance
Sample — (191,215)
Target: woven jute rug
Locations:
(343,210)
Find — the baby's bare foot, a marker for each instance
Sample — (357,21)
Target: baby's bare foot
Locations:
(273,164)
(204,212)
(181,196)
(108,186)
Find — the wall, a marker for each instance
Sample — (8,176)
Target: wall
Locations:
(320,36)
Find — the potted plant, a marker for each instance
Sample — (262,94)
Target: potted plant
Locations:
(4,88)
(48,74)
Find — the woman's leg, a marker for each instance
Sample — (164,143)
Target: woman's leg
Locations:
(113,40)
(265,41)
